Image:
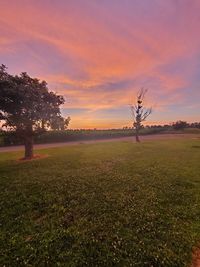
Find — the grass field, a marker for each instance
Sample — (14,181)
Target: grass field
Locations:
(104,204)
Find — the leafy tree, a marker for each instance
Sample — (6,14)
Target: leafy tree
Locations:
(139,113)
(195,125)
(28,107)
(180,125)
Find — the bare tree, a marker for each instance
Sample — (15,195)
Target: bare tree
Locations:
(139,112)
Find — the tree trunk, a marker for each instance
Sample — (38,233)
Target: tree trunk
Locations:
(137,135)
(28,147)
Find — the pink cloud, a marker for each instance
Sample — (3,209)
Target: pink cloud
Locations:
(100,43)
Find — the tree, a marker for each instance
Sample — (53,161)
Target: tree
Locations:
(180,125)
(27,107)
(139,112)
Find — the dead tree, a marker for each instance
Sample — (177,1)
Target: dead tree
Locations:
(139,112)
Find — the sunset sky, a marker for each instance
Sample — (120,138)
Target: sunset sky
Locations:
(98,53)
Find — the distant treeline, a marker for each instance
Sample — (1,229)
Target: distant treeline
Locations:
(9,138)
(174,126)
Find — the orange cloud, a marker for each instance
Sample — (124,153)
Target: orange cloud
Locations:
(99,53)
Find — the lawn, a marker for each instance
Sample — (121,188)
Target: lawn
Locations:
(104,204)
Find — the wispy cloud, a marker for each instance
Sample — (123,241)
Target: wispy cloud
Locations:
(99,53)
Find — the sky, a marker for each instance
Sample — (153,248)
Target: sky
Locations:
(99,53)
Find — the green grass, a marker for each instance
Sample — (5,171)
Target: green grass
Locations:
(105,204)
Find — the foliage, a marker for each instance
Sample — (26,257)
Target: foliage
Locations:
(28,107)
(111,204)
(179,125)
(60,123)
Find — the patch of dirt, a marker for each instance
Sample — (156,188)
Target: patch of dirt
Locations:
(28,238)
(196,258)
(35,157)
(40,219)
(68,220)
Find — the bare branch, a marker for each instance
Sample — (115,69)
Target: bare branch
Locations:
(146,114)
(139,112)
